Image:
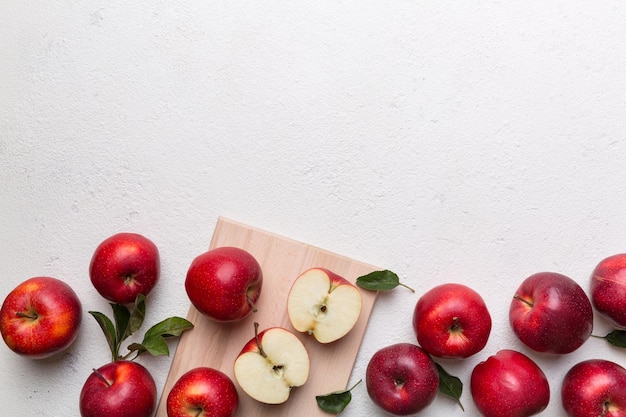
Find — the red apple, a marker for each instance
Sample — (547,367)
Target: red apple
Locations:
(40,317)
(124,266)
(271,364)
(119,389)
(595,388)
(323,304)
(509,384)
(224,283)
(551,313)
(402,379)
(608,289)
(451,321)
(204,392)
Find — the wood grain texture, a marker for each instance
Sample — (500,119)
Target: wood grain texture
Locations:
(217,345)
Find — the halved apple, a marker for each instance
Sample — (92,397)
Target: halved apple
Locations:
(323,304)
(271,364)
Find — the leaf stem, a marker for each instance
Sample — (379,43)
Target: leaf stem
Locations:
(354,386)
(406,286)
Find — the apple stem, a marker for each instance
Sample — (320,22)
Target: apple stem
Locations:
(256,338)
(406,286)
(99,375)
(455,324)
(518,297)
(254,309)
(32,315)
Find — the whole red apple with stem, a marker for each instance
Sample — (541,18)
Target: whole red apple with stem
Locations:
(402,379)
(119,389)
(40,317)
(608,289)
(452,321)
(594,388)
(124,266)
(204,392)
(224,283)
(551,313)
(124,388)
(509,384)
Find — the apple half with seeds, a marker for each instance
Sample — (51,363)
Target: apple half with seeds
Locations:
(323,304)
(271,364)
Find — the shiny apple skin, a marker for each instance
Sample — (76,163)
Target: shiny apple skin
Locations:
(224,283)
(560,319)
(123,266)
(594,387)
(402,379)
(608,289)
(509,384)
(130,391)
(205,390)
(58,311)
(451,321)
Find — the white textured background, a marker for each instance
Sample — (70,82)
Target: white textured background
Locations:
(475,142)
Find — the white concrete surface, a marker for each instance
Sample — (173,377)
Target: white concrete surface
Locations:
(447,141)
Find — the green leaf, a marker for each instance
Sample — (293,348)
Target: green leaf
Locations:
(617,338)
(156,346)
(108,328)
(154,340)
(380,280)
(449,385)
(121,315)
(335,402)
(137,315)
(170,327)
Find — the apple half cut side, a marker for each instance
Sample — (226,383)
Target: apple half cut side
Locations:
(271,364)
(323,304)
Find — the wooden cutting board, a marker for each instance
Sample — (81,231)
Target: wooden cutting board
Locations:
(217,345)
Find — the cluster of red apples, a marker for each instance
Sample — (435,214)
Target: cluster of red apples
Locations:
(41,317)
(550,313)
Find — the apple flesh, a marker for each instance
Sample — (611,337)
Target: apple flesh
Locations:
(551,313)
(608,289)
(594,387)
(323,304)
(271,364)
(124,266)
(509,384)
(118,389)
(402,379)
(451,321)
(224,283)
(40,317)
(204,392)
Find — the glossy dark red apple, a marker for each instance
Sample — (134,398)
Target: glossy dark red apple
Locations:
(40,317)
(224,283)
(509,384)
(451,321)
(551,313)
(124,266)
(595,388)
(608,289)
(118,389)
(204,392)
(402,379)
